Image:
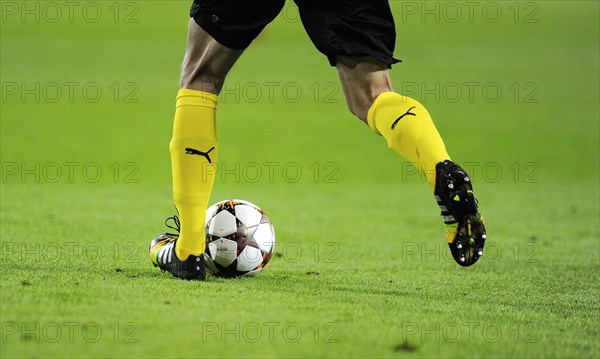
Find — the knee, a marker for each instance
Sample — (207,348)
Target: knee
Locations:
(360,103)
(362,79)
(206,65)
(358,108)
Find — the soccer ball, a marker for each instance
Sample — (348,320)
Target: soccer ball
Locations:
(240,239)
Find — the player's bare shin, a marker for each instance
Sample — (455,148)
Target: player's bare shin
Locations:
(362,80)
(207,62)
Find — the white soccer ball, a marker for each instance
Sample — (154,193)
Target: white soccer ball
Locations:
(240,239)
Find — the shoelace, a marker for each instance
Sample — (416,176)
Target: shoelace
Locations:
(177,226)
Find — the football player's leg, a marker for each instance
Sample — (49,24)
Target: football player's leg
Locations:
(194,149)
(218,33)
(409,130)
(402,121)
(358,38)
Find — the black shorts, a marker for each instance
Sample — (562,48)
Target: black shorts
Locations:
(336,27)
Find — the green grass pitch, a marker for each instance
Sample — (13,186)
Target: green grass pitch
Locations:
(361,268)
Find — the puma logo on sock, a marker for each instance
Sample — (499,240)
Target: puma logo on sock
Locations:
(399,118)
(193,151)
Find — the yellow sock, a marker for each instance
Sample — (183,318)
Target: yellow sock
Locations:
(409,130)
(193,157)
